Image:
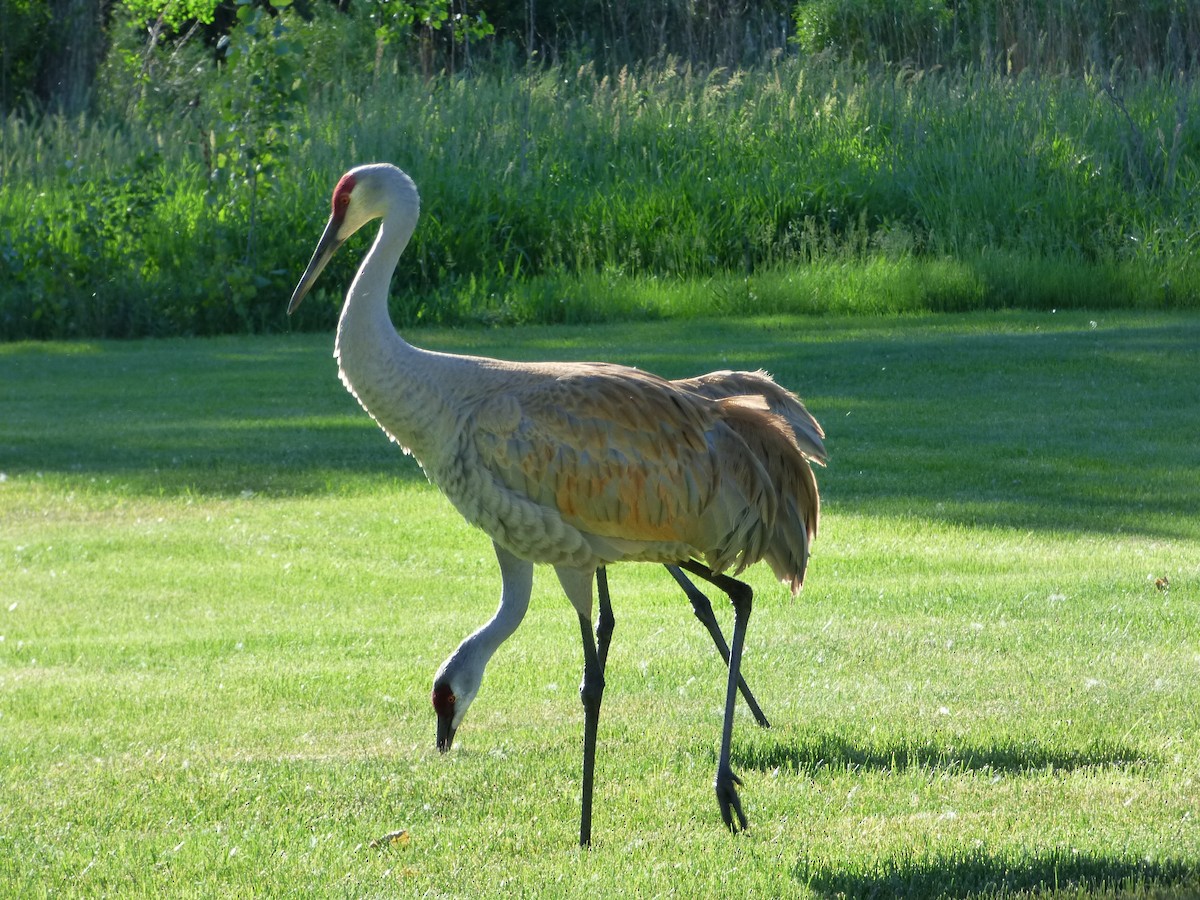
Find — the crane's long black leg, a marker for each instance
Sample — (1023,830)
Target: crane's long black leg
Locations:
(726,782)
(605,621)
(704,612)
(590,692)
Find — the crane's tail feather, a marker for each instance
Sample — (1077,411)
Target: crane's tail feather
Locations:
(772,441)
(744,512)
(805,429)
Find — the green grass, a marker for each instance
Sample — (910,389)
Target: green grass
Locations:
(931,190)
(224,594)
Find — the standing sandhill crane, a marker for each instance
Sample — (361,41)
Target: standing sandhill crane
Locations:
(462,672)
(576,465)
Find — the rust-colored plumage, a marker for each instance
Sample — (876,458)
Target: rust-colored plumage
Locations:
(785,452)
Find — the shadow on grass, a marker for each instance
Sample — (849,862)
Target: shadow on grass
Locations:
(1021,421)
(1041,427)
(808,755)
(980,874)
(203,417)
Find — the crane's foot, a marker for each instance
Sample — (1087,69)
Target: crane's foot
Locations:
(728,800)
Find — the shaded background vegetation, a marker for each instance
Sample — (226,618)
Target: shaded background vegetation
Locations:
(164,168)
(53,49)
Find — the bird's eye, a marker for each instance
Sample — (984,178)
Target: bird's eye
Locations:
(341,194)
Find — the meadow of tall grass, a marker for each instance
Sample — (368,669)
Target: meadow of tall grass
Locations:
(562,194)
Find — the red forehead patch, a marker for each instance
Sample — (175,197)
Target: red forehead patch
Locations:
(341,194)
(443,699)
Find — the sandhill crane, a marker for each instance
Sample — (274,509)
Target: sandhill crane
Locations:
(575,465)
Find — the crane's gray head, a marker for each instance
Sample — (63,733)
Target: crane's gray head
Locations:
(454,687)
(362,194)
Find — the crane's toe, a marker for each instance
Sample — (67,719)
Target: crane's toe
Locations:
(728,800)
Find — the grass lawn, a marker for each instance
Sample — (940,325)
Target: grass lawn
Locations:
(223,595)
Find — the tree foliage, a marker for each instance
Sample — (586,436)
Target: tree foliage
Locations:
(174,12)
(424,35)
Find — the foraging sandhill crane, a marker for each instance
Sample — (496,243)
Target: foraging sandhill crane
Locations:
(575,465)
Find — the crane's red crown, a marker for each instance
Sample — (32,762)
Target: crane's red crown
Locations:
(443,699)
(341,195)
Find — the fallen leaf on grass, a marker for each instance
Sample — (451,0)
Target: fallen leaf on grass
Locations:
(392,839)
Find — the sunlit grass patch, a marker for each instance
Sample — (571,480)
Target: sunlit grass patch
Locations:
(225,593)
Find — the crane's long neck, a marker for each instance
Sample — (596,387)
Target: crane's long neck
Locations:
(471,657)
(394,381)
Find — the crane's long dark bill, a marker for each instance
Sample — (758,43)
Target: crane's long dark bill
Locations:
(445,734)
(326,247)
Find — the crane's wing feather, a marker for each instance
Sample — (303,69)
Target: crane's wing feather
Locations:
(608,454)
(627,458)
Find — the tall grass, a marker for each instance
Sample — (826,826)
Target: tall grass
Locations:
(535,183)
